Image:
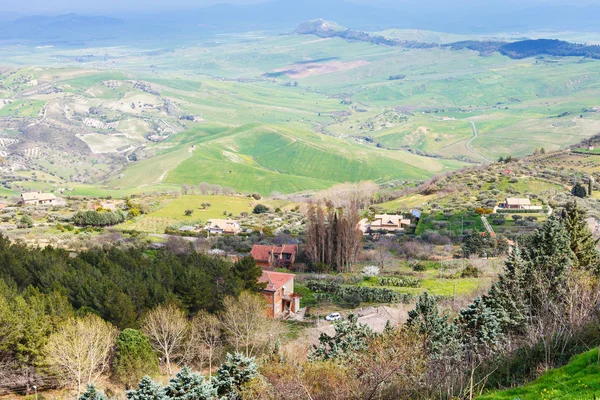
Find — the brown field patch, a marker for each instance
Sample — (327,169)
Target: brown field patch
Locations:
(304,70)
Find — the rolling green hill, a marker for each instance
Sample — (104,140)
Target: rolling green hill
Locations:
(578,380)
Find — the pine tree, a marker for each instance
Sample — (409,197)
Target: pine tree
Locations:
(350,337)
(188,385)
(233,374)
(480,328)
(147,390)
(582,241)
(91,393)
(550,259)
(440,337)
(506,296)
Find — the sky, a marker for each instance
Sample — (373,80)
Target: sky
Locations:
(144,6)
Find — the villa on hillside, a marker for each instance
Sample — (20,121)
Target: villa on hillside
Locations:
(274,256)
(37,198)
(389,223)
(223,226)
(516,203)
(279,293)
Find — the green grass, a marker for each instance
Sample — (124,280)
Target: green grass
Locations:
(458,223)
(22,108)
(578,380)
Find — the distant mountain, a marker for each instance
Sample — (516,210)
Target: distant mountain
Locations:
(327,29)
(67,29)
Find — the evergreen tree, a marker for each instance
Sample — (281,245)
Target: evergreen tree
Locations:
(249,271)
(91,393)
(350,337)
(147,390)
(583,244)
(439,335)
(480,328)
(188,385)
(550,259)
(233,374)
(133,358)
(506,296)
(579,190)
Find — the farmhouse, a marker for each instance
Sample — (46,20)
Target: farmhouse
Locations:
(390,223)
(517,203)
(279,293)
(37,198)
(223,226)
(274,256)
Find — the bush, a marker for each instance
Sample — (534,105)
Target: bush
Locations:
(370,271)
(134,358)
(260,209)
(26,221)
(95,218)
(399,282)
(470,272)
(417,266)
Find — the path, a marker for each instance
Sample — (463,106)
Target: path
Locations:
(471,141)
(487,226)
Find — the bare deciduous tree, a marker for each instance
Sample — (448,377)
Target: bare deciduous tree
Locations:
(205,337)
(167,328)
(80,349)
(247,323)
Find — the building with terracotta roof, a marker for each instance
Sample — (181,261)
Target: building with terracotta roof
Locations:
(274,256)
(279,293)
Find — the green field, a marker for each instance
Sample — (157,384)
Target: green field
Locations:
(250,111)
(578,380)
(173,211)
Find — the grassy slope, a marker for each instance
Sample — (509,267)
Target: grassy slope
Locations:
(578,380)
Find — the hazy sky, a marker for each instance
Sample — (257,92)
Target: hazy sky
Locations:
(116,6)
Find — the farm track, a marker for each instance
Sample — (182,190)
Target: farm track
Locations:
(475,135)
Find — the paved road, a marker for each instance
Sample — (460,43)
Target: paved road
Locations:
(470,141)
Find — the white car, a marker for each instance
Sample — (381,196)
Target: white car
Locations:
(333,317)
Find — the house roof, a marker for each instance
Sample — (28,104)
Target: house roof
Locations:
(261,252)
(275,280)
(222,224)
(516,201)
(387,220)
(29,196)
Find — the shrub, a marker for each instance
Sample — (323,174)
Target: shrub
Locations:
(370,271)
(26,221)
(188,212)
(260,209)
(95,218)
(470,272)
(417,266)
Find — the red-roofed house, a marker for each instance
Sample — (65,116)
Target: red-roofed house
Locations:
(274,256)
(279,293)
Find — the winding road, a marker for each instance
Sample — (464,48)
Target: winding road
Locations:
(473,138)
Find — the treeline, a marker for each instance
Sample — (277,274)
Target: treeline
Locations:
(551,47)
(528,48)
(122,284)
